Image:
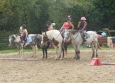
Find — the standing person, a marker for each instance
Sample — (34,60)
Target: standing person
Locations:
(82,27)
(24,33)
(50,27)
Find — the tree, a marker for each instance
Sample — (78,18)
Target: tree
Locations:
(106,9)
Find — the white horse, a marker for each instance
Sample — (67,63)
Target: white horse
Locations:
(77,41)
(56,38)
(31,41)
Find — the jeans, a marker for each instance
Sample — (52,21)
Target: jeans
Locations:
(84,33)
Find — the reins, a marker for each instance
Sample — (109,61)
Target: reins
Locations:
(76,36)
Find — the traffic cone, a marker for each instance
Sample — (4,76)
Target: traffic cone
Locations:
(96,62)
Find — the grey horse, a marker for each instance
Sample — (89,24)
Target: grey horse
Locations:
(77,41)
(33,40)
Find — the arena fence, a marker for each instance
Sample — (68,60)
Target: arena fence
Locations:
(3,43)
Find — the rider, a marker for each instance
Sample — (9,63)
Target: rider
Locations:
(82,27)
(24,33)
(67,25)
(50,27)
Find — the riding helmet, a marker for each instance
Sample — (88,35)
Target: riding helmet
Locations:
(24,26)
(48,23)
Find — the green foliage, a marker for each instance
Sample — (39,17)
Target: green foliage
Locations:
(35,13)
(106,9)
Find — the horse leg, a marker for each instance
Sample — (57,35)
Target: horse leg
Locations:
(43,52)
(21,50)
(93,52)
(36,50)
(33,49)
(60,52)
(96,49)
(77,49)
(78,54)
(63,51)
(18,49)
(56,50)
(65,48)
(46,52)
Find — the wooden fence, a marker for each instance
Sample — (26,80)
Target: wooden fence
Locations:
(4,43)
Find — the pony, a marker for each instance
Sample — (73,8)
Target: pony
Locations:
(56,38)
(33,40)
(43,46)
(77,41)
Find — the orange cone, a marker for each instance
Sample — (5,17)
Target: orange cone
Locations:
(95,62)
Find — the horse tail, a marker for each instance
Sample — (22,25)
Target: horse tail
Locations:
(99,46)
(64,49)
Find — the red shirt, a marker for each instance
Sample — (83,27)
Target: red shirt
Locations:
(66,25)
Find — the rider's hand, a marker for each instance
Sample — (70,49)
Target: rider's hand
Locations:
(80,30)
(60,30)
(25,38)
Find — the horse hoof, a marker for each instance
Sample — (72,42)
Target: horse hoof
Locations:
(61,58)
(77,58)
(55,58)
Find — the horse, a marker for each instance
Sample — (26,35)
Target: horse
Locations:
(77,41)
(56,38)
(33,40)
(43,46)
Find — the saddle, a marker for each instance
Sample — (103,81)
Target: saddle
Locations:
(28,40)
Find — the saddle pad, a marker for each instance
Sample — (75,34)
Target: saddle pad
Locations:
(29,39)
(87,35)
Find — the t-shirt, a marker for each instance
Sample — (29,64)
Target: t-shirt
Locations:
(82,25)
(66,25)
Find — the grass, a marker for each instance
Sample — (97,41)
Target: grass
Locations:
(51,49)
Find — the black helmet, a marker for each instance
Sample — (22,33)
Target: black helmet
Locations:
(24,26)
(68,19)
(48,23)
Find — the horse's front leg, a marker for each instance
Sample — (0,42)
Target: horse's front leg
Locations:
(56,50)
(60,52)
(43,52)
(93,51)
(33,50)
(96,49)
(46,52)
(36,50)
(21,51)
(77,52)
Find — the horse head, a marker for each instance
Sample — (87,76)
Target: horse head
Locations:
(44,38)
(66,36)
(14,38)
(11,40)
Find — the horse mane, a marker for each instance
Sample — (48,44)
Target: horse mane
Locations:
(73,32)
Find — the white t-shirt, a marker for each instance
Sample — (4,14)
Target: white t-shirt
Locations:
(23,30)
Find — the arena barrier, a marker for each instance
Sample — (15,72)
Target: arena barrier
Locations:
(97,62)
(20,59)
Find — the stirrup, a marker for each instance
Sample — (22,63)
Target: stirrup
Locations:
(83,41)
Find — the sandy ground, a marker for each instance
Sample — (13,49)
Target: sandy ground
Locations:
(67,70)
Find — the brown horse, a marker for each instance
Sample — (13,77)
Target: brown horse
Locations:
(57,39)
